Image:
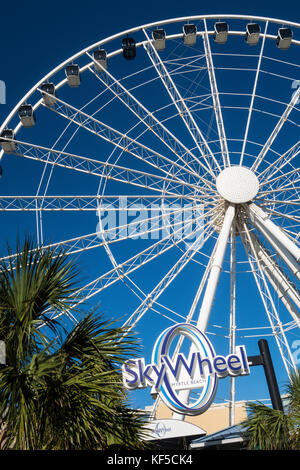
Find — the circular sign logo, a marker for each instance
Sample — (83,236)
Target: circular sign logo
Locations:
(202,354)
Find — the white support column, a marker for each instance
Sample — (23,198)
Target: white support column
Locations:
(286,292)
(258,214)
(216,266)
(215,269)
(268,301)
(278,276)
(284,299)
(284,254)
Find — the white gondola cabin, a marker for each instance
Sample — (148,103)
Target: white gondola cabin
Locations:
(284,38)
(189,34)
(129,48)
(159,39)
(73,75)
(221,32)
(100,58)
(7,140)
(48,93)
(26,115)
(252,34)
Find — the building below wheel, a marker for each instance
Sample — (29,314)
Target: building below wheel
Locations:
(198,432)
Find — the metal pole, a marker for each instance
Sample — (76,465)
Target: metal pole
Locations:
(270,374)
(232,322)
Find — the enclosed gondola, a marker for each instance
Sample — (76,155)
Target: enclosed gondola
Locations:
(73,75)
(129,48)
(284,38)
(26,115)
(252,34)
(159,39)
(48,93)
(221,32)
(189,34)
(100,60)
(7,138)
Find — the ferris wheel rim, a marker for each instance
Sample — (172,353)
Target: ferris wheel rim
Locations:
(132,30)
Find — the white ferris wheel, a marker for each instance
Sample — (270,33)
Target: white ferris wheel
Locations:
(166,157)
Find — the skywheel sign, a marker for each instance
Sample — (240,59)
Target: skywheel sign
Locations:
(174,377)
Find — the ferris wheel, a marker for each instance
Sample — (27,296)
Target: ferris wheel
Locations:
(167,157)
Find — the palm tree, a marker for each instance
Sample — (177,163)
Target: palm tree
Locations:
(59,389)
(269,429)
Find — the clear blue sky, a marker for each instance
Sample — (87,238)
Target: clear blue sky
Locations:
(36,37)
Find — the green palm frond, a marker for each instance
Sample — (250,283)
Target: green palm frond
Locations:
(59,389)
(269,429)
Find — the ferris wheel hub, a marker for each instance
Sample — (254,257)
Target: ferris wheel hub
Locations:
(237,184)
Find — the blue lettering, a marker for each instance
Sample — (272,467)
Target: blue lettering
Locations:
(204,361)
(145,373)
(180,360)
(141,366)
(220,366)
(131,372)
(160,374)
(243,355)
(234,364)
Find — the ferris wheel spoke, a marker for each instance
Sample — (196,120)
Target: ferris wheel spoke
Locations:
(294,173)
(263,219)
(149,120)
(292,234)
(254,93)
(164,283)
(270,202)
(282,193)
(183,111)
(284,254)
(95,202)
(287,208)
(286,291)
(267,300)
(103,169)
(216,98)
(280,163)
(290,216)
(119,139)
(132,264)
(114,234)
(289,108)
